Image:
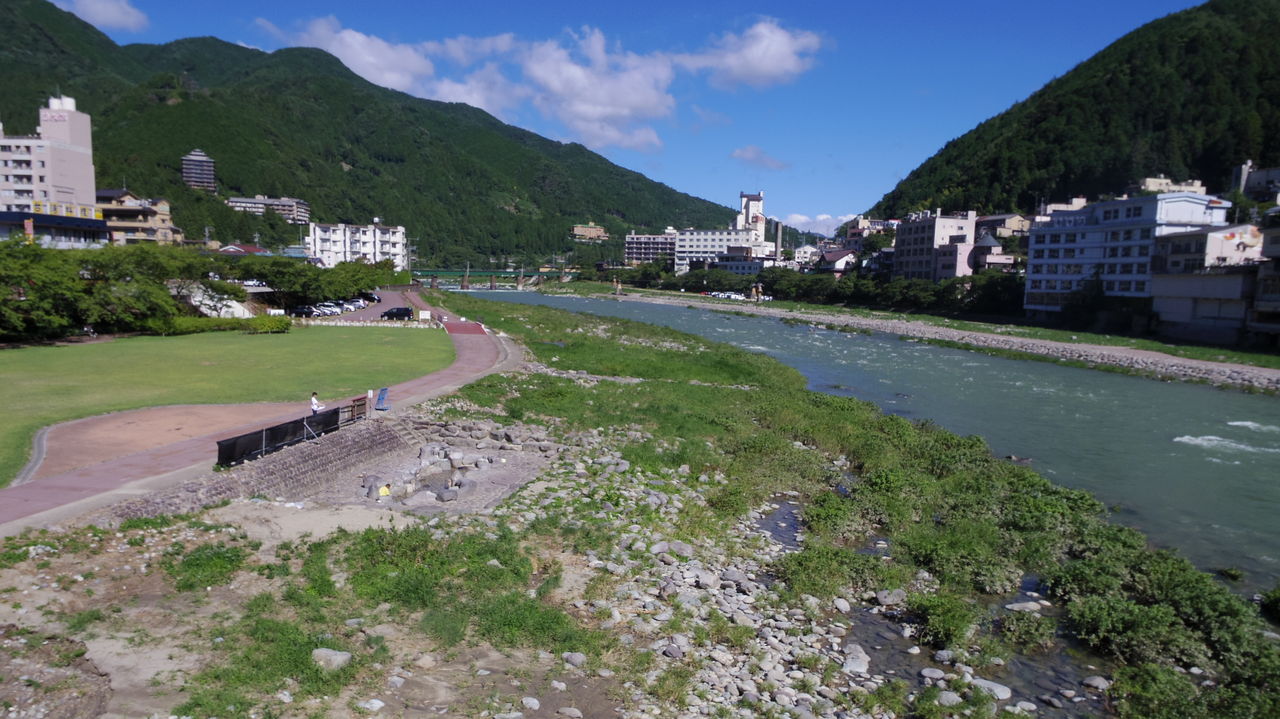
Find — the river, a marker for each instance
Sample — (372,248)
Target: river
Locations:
(1196,468)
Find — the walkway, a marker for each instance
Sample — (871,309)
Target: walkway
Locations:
(91,462)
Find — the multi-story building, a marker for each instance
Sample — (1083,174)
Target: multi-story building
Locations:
(133,220)
(590,232)
(198,171)
(700,248)
(47,182)
(1110,241)
(1261,184)
(293,210)
(751,216)
(743,261)
(1264,314)
(332,244)
(919,238)
(806,255)
(1203,281)
(644,249)
(1160,183)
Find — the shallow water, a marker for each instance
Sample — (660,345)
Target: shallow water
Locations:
(1194,467)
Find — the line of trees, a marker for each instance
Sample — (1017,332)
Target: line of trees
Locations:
(49,294)
(988,293)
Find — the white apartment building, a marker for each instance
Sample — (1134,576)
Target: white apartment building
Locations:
(1111,241)
(50,172)
(293,210)
(806,254)
(751,215)
(47,188)
(642,249)
(916,247)
(704,246)
(332,244)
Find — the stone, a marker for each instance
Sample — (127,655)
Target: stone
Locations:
(447,495)
(682,549)
(999,691)
(371,705)
(570,712)
(426,661)
(949,699)
(672,651)
(284,696)
(330,659)
(890,598)
(509,715)
(932,673)
(530,703)
(574,659)
(1026,706)
(1023,607)
(659,547)
(842,605)
(1096,682)
(856,659)
(742,620)
(944,656)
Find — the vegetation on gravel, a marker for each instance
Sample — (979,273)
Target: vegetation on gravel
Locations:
(975,523)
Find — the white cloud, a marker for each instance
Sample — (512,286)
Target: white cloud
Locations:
(393,65)
(753,155)
(603,96)
(466,50)
(822,224)
(108,14)
(765,54)
(486,88)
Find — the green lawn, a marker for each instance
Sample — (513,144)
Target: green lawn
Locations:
(47,385)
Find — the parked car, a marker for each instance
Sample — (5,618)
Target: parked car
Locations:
(359,303)
(327,309)
(398,313)
(371,297)
(303,311)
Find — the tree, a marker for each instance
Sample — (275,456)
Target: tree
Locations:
(41,293)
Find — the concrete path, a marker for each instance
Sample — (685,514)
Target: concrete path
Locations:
(84,464)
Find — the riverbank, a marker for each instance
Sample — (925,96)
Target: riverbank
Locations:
(1133,361)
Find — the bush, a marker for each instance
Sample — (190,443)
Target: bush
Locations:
(1028,629)
(166,326)
(267,324)
(945,620)
(823,570)
(1135,633)
(1271,604)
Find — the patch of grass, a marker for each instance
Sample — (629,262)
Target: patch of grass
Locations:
(206,565)
(128,373)
(80,621)
(672,684)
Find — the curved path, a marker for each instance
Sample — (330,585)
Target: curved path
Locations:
(89,462)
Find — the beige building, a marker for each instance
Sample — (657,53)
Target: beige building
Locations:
(590,232)
(643,249)
(50,172)
(199,171)
(1160,183)
(293,210)
(133,220)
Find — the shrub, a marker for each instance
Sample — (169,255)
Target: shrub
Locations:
(1271,604)
(945,620)
(266,324)
(1133,632)
(1028,629)
(823,570)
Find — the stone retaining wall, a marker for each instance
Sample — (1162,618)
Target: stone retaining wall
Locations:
(291,473)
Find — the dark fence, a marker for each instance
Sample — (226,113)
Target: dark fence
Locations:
(252,445)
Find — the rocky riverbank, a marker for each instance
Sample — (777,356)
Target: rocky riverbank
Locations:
(1142,362)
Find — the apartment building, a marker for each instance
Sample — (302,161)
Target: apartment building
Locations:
(332,244)
(920,237)
(293,210)
(700,248)
(135,220)
(1203,281)
(644,249)
(1111,241)
(590,232)
(199,171)
(47,187)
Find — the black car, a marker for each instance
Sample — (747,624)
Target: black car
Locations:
(370,297)
(398,313)
(303,311)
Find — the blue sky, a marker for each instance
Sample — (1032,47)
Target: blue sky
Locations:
(823,105)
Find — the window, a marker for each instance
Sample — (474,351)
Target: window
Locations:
(1069,252)
(1055,239)
(1146,233)
(1137,211)
(1144,250)
(1071,237)
(1113,252)
(1140,286)
(1126,286)
(1053,254)
(1126,269)
(1038,254)
(1126,251)
(1140,268)
(1036,284)
(1128,234)
(1109,286)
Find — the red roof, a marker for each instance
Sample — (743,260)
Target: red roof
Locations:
(245,249)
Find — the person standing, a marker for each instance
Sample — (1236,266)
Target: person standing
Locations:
(315,404)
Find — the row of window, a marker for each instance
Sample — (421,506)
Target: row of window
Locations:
(1056,238)
(1114,214)
(1107,286)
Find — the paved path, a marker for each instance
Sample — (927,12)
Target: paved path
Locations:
(94,461)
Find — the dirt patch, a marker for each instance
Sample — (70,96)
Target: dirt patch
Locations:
(49,676)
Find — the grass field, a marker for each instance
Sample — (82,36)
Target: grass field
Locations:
(47,385)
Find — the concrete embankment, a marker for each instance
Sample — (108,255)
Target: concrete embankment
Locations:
(1144,362)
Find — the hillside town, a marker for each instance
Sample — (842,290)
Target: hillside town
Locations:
(1207,276)
(49,194)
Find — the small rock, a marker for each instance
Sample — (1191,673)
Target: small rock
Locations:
(856,659)
(842,605)
(1097,682)
(890,598)
(949,699)
(1023,607)
(531,703)
(574,659)
(999,691)
(372,705)
(330,659)
(569,712)
(932,673)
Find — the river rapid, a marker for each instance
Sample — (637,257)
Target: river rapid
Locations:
(1196,468)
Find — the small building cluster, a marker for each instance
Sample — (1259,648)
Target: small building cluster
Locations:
(48,194)
(741,249)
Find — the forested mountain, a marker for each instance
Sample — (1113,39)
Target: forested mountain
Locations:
(1190,95)
(298,123)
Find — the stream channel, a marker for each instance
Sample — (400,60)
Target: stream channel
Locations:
(1196,468)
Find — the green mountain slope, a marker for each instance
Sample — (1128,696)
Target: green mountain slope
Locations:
(298,123)
(1190,95)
